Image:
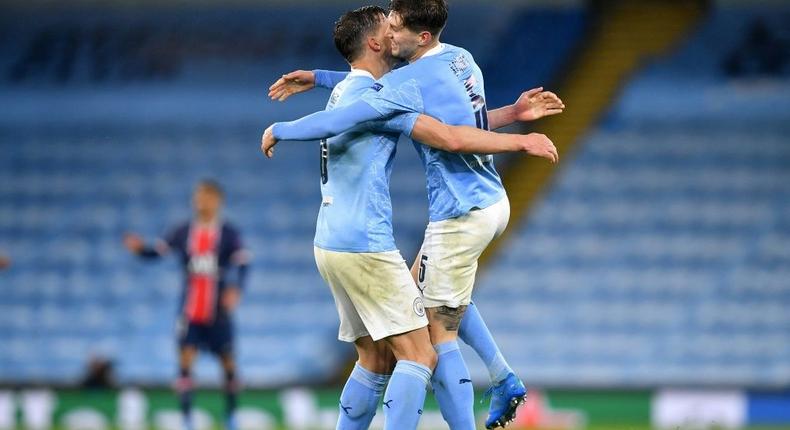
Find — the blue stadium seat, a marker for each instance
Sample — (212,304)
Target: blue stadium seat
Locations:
(660,253)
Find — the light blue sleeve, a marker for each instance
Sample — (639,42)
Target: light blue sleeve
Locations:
(392,98)
(403,124)
(327,123)
(328,78)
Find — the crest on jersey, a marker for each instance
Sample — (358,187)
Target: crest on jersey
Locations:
(419,307)
(377,87)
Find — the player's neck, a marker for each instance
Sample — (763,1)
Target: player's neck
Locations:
(377,67)
(206,219)
(422,50)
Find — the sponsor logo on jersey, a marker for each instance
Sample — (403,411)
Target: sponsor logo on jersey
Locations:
(333,99)
(459,65)
(205,264)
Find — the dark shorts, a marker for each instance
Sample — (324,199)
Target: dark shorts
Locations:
(216,337)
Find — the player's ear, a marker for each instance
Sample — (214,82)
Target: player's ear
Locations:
(374,44)
(426,38)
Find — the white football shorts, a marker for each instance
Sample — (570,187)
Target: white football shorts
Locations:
(447,262)
(375,293)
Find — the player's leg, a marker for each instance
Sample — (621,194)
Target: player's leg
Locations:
(366,384)
(221,344)
(405,395)
(376,290)
(474,332)
(452,384)
(187,352)
(230,389)
(364,387)
(445,271)
(507,391)
(506,387)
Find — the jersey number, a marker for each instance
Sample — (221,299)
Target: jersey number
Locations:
(324,160)
(481,117)
(421,273)
(481,114)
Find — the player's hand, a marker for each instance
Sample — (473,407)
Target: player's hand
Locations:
(268,141)
(536,103)
(133,243)
(292,83)
(230,298)
(540,146)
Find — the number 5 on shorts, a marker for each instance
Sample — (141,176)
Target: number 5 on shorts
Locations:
(421,273)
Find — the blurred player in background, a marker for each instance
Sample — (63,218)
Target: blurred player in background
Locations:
(467,203)
(5,262)
(214,265)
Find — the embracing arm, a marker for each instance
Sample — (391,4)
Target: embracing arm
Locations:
(319,125)
(328,78)
(327,123)
(300,81)
(531,105)
(465,139)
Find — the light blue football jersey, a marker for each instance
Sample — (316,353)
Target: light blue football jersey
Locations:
(446,84)
(356,211)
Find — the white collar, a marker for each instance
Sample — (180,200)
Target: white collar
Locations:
(360,72)
(434,51)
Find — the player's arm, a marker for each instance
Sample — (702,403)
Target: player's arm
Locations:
(175,239)
(300,81)
(137,246)
(531,105)
(465,139)
(235,274)
(319,125)
(328,78)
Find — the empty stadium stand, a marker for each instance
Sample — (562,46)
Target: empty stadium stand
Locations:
(659,255)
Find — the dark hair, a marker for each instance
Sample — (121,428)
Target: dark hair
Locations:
(212,186)
(352,29)
(422,15)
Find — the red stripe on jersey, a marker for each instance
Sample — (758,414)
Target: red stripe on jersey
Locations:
(201,297)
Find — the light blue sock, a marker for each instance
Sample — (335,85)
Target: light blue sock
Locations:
(452,387)
(405,395)
(360,398)
(474,332)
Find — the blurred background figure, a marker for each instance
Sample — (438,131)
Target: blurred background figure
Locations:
(762,52)
(98,374)
(643,282)
(214,264)
(5,262)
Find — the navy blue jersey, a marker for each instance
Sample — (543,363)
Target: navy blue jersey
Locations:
(213,259)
